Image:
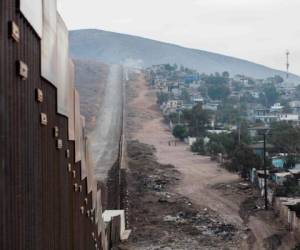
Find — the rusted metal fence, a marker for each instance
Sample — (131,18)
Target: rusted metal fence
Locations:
(48,199)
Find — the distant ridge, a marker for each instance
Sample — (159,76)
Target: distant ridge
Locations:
(115,48)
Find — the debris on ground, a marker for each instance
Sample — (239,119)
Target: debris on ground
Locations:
(163,219)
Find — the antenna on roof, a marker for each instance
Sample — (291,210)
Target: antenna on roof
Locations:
(287,64)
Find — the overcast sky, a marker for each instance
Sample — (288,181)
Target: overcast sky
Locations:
(256,30)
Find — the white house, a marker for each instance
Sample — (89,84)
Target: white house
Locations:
(280,178)
(289,117)
(276,108)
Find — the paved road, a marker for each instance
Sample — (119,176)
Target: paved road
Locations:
(105,138)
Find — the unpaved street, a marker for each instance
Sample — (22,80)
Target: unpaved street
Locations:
(199,172)
(200,175)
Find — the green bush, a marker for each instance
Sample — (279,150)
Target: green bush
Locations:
(198,146)
(290,188)
(180,132)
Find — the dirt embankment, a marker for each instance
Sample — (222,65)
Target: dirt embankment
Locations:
(184,201)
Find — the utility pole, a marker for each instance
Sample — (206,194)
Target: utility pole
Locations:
(265,174)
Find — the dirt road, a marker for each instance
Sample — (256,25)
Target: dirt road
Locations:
(200,174)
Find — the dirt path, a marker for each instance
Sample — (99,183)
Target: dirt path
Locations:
(200,174)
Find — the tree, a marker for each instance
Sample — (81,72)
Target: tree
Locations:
(169,67)
(244,159)
(227,113)
(237,86)
(215,79)
(223,142)
(269,96)
(250,81)
(173,117)
(215,148)
(198,146)
(285,138)
(225,74)
(248,98)
(180,132)
(278,79)
(290,188)
(218,91)
(297,92)
(290,162)
(185,96)
(162,97)
(286,105)
(197,118)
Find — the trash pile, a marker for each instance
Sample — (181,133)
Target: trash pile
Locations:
(161,218)
(203,223)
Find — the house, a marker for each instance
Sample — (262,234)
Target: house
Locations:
(295,107)
(256,130)
(258,148)
(197,100)
(173,104)
(276,108)
(187,106)
(254,94)
(294,118)
(295,172)
(264,115)
(257,177)
(280,178)
(190,140)
(218,131)
(211,106)
(285,207)
(277,162)
(176,92)
(191,78)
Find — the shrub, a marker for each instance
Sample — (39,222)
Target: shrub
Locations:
(180,132)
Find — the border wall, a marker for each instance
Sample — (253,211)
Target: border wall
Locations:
(49,199)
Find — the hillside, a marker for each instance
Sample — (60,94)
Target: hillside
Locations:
(90,78)
(115,48)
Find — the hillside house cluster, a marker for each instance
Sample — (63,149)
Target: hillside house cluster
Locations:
(183,88)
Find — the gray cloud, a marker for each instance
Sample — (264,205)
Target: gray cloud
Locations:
(256,30)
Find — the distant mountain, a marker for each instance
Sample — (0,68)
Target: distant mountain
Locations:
(115,48)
